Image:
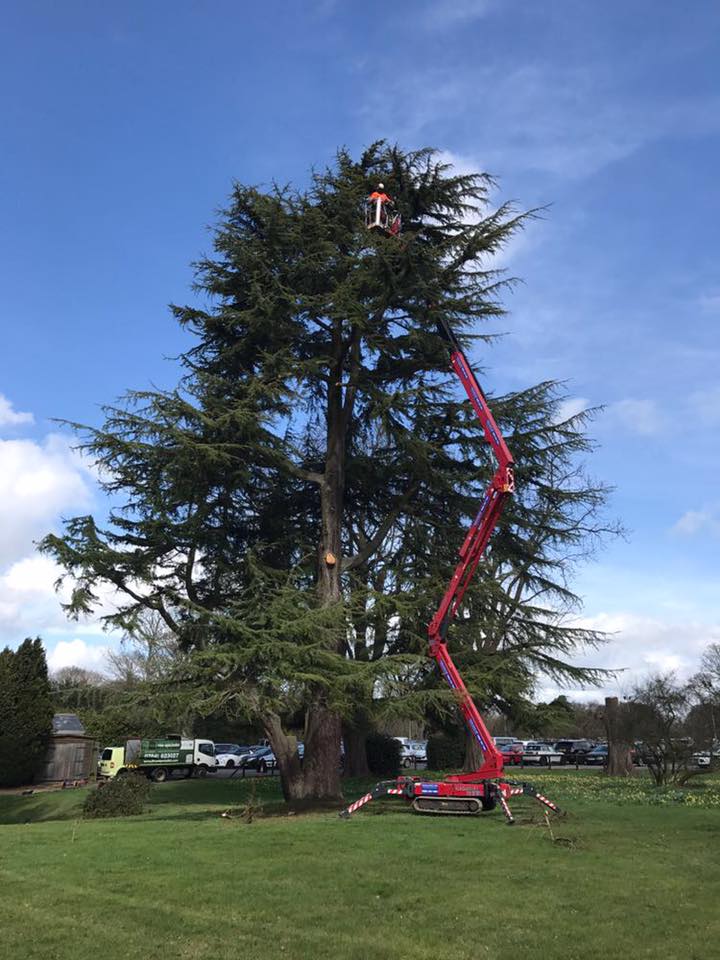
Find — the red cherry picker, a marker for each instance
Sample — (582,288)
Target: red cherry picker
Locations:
(483,789)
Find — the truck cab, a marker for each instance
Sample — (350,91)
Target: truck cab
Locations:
(110,761)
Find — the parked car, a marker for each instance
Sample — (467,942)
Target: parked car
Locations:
(501,742)
(412,751)
(574,751)
(598,755)
(703,759)
(261,759)
(541,753)
(232,756)
(512,753)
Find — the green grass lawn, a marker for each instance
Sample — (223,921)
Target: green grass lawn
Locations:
(640,876)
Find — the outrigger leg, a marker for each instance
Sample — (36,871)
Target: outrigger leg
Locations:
(435,797)
(528,790)
(381,789)
(506,809)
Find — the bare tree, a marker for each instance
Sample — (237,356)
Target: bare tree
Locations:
(72,677)
(657,715)
(148,653)
(704,717)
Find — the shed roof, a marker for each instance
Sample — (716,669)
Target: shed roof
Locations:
(67,725)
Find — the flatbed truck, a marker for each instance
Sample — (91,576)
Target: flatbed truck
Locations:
(158,758)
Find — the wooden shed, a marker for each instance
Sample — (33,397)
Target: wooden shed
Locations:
(71,755)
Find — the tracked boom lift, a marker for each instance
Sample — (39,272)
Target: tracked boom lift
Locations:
(483,789)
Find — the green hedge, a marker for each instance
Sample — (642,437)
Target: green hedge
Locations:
(445,752)
(383,755)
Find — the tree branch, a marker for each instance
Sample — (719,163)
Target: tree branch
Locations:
(351,563)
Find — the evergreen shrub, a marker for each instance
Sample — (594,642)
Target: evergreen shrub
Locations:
(383,755)
(445,752)
(26,713)
(120,797)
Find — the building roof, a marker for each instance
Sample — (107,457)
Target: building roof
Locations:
(67,725)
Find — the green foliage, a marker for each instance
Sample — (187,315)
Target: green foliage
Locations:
(383,754)
(445,751)
(26,713)
(119,797)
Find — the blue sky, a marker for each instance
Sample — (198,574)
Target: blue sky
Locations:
(124,126)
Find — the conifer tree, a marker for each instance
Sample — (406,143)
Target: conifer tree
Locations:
(26,712)
(315,417)
(7,706)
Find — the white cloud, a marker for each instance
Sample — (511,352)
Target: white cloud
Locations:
(555,118)
(35,575)
(522,241)
(571,407)
(441,14)
(30,607)
(38,481)
(10,417)
(637,416)
(76,653)
(710,303)
(697,521)
(706,405)
(638,647)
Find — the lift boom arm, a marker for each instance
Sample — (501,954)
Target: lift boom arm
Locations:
(465,793)
(499,488)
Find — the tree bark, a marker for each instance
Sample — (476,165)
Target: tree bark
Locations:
(619,762)
(317,778)
(356,762)
(473,754)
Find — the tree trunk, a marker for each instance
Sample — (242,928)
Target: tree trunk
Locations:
(619,762)
(356,762)
(473,754)
(317,778)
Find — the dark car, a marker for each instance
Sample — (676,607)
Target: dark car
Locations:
(597,756)
(261,759)
(574,751)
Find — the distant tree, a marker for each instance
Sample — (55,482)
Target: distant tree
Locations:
(71,678)
(588,722)
(704,716)
(656,717)
(7,721)
(76,689)
(127,700)
(148,653)
(26,712)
